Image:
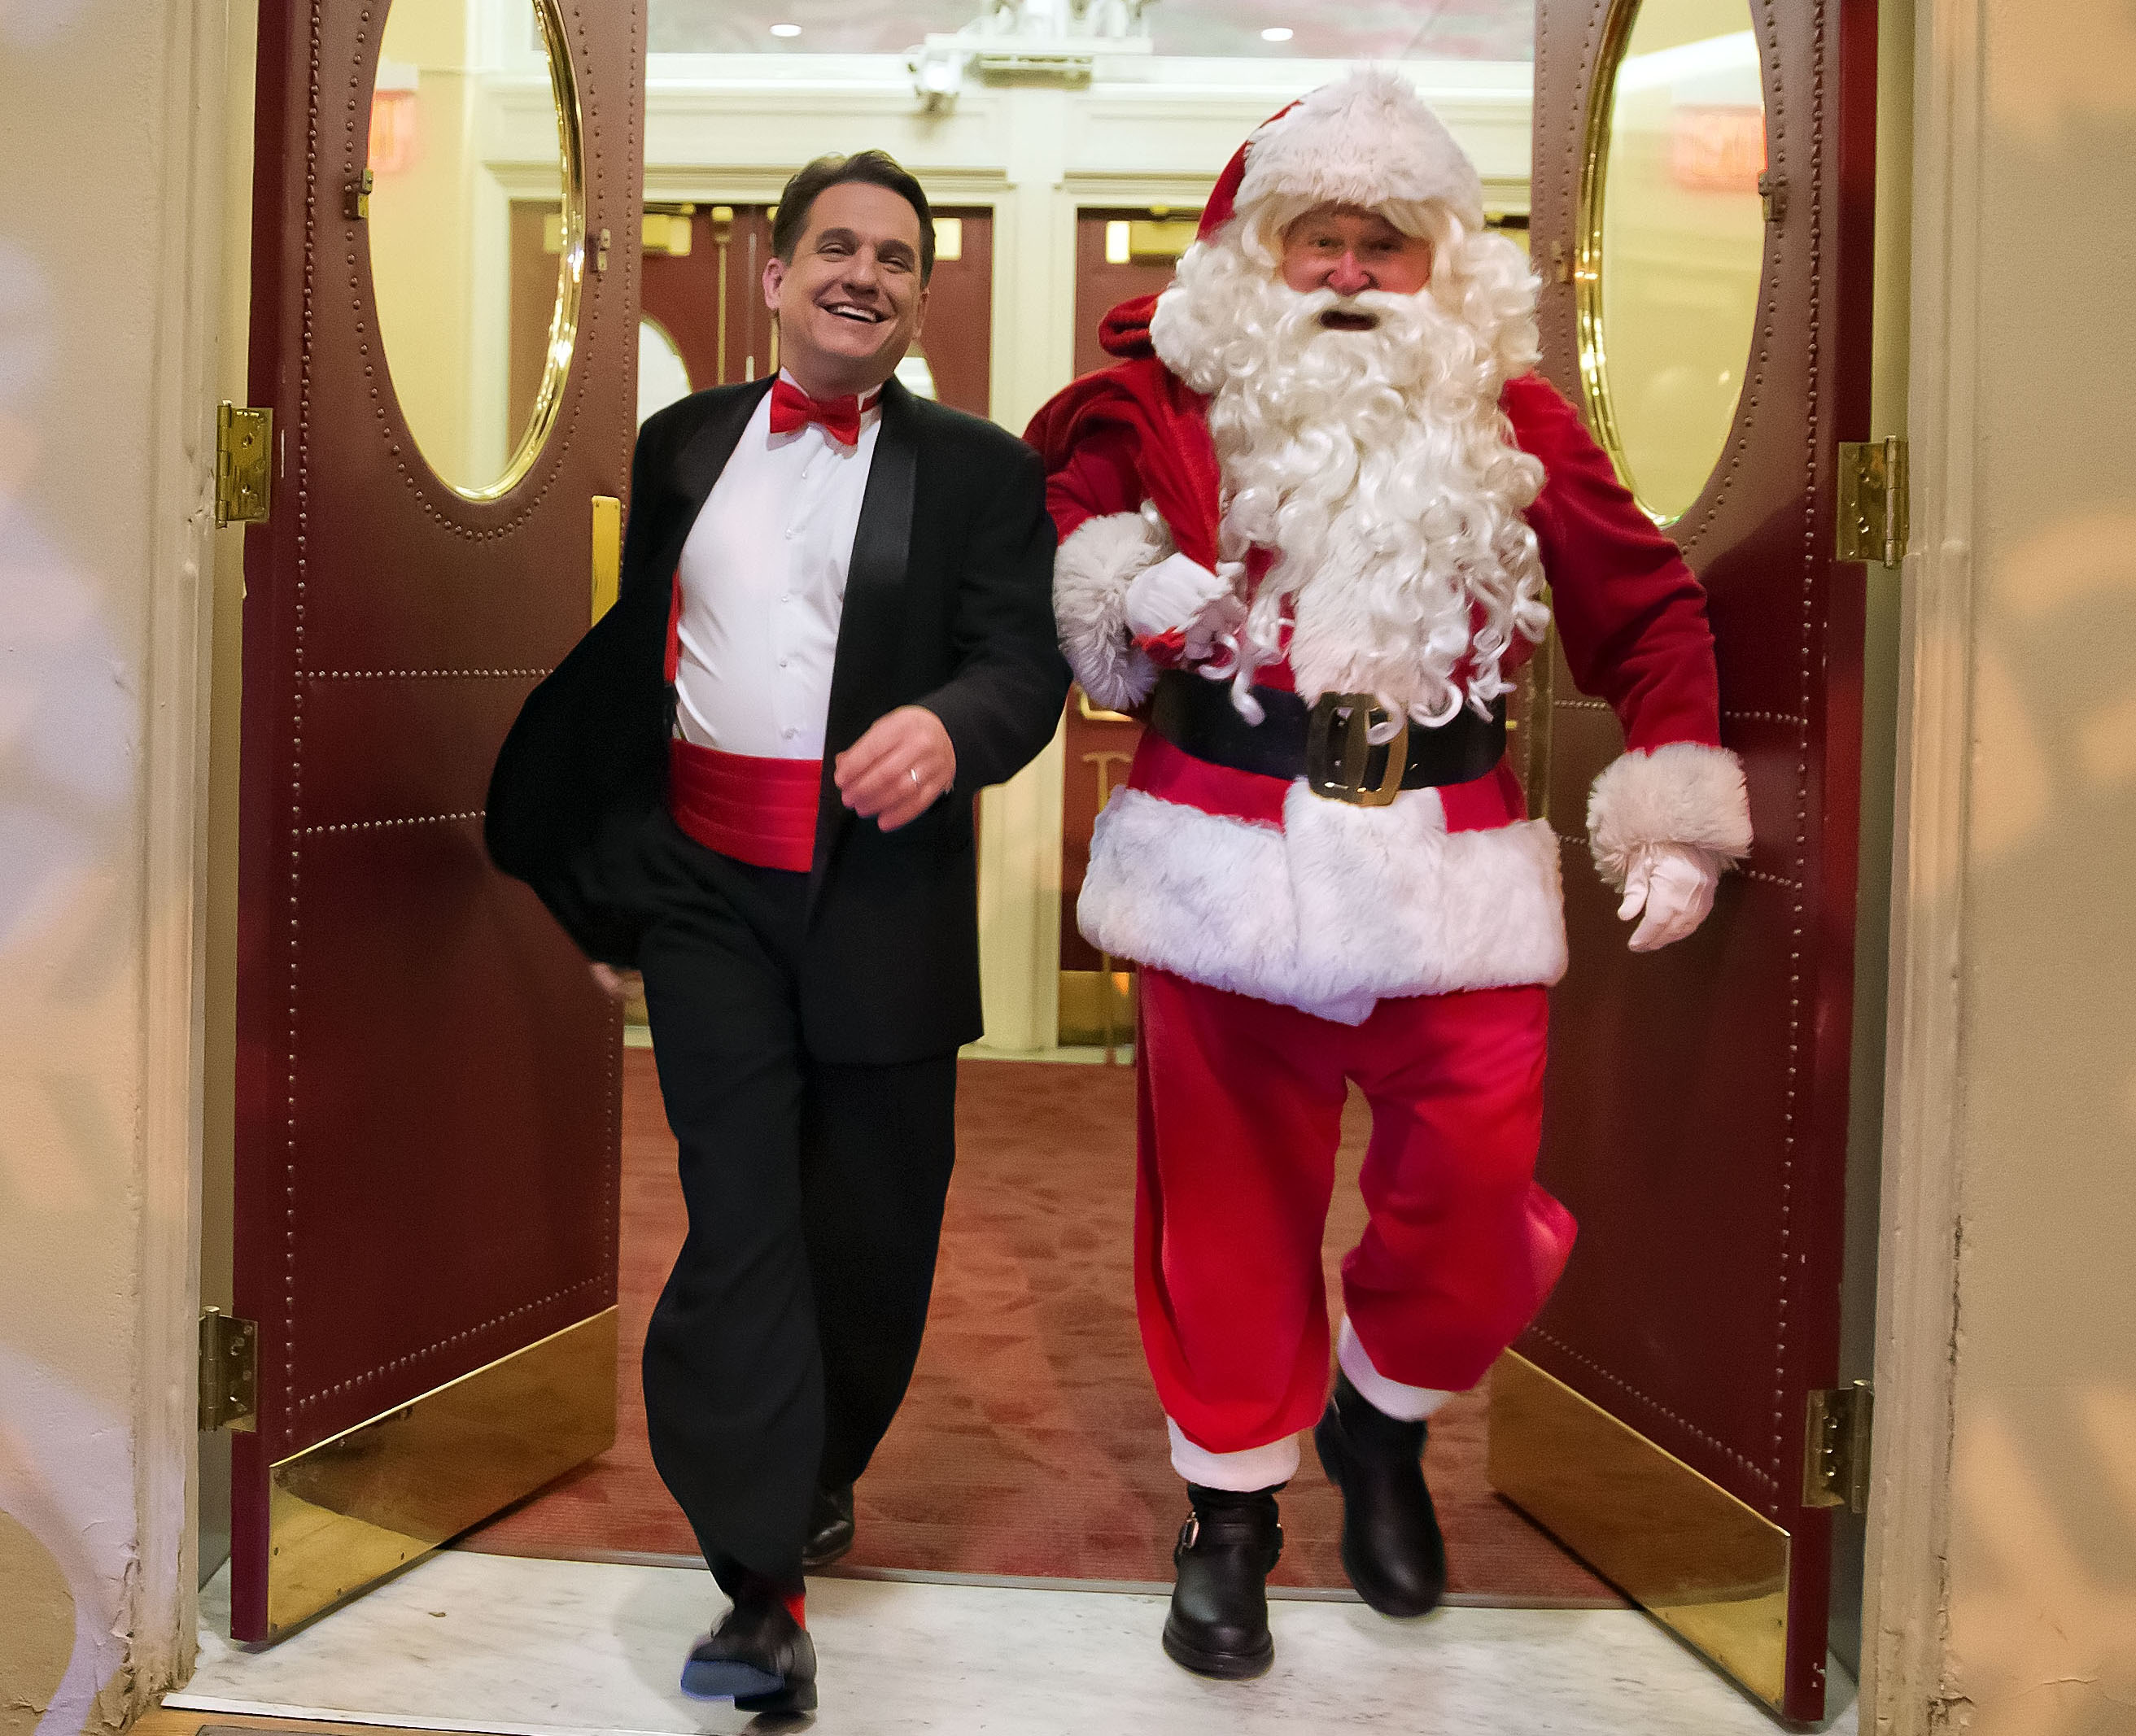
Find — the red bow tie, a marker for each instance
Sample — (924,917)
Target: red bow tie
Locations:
(793,409)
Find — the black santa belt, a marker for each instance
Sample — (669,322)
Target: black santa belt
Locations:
(1328,742)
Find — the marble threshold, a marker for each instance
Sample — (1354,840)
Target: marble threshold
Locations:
(521,1646)
(640,1036)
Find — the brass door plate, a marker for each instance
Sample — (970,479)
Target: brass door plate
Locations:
(1674,1541)
(366,1503)
(608,553)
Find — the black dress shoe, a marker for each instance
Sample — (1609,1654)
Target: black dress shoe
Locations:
(1219,1621)
(830,1529)
(759,1656)
(1392,1548)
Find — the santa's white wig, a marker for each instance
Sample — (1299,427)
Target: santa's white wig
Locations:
(1377,464)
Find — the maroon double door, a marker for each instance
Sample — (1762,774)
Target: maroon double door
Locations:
(1697,1099)
(427,1080)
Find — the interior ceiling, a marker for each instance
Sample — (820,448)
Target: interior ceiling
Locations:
(1438,30)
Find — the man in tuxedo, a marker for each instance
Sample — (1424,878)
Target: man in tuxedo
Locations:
(752,782)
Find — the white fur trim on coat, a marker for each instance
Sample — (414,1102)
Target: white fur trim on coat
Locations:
(1091,574)
(1243,1473)
(1362,140)
(1682,792)
(1339,907)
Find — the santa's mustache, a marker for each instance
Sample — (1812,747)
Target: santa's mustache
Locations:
(1367,310)
(1300,365)
(1323,309)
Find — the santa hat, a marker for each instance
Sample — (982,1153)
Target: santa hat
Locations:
(1363,140)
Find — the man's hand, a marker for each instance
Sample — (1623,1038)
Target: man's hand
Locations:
(1674,884)
(894,773)
(621,985)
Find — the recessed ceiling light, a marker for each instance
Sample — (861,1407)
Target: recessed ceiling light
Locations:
(1278,33)
(786,30)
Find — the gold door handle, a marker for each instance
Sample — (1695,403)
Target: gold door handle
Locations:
(608,552)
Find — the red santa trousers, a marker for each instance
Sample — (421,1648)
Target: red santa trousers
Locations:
(1240,1109)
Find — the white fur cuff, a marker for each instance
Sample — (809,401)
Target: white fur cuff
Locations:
(1242,1473)
(1682,792)
(1091,574)
(1390,1398)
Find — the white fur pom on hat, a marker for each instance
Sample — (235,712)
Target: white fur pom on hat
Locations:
(1363,140)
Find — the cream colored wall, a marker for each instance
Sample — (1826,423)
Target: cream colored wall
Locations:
(733,128)
(105,348)
(2042,1562)
(2003,1556)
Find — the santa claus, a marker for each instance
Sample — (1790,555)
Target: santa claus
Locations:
(1308,523)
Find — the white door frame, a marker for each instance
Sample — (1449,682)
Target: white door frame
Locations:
(1906,1591)
(1904,1663)
(189,262)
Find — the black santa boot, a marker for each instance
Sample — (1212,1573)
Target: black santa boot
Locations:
(1392,1548)
(1219,1621)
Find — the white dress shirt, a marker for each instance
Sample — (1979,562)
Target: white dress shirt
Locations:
(763,587)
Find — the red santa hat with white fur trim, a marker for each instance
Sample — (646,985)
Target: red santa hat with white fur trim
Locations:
(1367,140)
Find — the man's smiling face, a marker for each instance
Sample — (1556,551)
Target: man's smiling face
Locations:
(849,304)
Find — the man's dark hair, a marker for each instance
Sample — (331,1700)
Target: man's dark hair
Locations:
(877,168)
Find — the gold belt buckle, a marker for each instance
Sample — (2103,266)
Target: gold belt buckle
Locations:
(1339,772)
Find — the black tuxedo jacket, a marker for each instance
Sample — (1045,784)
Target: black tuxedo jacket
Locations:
(949,604)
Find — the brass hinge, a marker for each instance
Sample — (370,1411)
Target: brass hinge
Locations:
(355,201)
(1836,1448)
(1872,499)
(229,1371)
(244,465)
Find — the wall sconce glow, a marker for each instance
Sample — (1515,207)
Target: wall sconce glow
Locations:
(786,30)
(396,122)
(937,74)
(1278,33)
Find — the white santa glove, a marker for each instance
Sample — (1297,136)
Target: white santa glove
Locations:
(1170,596)
(1674,884)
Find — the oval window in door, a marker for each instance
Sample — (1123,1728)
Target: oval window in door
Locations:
(1672,241)
(476,224)
(663,377)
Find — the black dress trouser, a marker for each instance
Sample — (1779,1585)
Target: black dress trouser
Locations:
(784,1339)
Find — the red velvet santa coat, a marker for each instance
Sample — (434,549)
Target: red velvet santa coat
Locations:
(1246,883)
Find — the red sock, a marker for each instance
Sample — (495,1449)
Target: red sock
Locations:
(796,1605)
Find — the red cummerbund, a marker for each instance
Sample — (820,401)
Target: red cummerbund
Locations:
(762,811)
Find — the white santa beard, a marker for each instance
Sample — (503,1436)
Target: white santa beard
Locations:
(1378,466)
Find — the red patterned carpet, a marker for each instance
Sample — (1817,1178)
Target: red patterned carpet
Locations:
(1031,1442)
